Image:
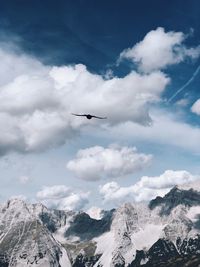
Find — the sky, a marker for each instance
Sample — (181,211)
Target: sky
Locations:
(136,63)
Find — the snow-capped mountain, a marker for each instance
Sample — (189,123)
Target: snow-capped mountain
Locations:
(165,232)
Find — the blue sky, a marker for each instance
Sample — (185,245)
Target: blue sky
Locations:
(121,59)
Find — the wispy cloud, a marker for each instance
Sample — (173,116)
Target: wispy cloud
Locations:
(185,85)
(167,129)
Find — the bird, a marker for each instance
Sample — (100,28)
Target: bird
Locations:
(89,117)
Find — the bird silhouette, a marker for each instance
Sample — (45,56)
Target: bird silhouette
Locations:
(89,117)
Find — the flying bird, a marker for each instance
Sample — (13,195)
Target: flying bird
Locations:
(89,117)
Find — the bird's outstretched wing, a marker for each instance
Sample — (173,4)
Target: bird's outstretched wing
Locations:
(102,118)
(89,116)
(78,114)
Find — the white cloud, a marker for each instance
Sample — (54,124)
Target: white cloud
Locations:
(14,64)
(196,107)
(167,129)
(90,93)
(53,192)
(75,201)
(95,212)
(61,197)
(97,162)
(36,101)
(168,179)
(112,192)
(159,49)
(146,188)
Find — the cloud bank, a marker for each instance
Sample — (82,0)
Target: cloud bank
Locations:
(36,101)
(62,197)
(167,129)
(146,188)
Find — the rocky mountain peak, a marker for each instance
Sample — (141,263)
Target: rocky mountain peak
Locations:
(176,196)
(166,231)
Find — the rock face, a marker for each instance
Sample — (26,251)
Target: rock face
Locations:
(166,232)
(24,238)
(174,198)
(87,228)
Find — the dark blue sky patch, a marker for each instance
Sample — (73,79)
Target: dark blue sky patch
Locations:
(92,32)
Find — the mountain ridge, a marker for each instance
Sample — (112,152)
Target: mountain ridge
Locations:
(165,231)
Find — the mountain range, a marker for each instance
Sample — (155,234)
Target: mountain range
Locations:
(164,232)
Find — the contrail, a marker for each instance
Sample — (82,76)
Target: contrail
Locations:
(185,85)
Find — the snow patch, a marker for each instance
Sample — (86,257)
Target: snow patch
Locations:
(105,245)
(193,213)
(147,236)
(59,234)
(64,260)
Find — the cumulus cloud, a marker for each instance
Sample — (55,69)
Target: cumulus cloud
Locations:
(196,107)
(91,93)
(36,101)
(159,49)
(97,162)
(62,197)
(95,212)
(146,188)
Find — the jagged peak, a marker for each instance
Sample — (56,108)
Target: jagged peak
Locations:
(175,197)
(19,203)
(117,235)
(127,209)
(14,202)
(39,207)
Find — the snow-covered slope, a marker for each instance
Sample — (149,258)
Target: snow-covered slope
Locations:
(24,238)
(171,223)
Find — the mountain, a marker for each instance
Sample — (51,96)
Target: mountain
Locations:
(165,232)
(177,196)
(25,238)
